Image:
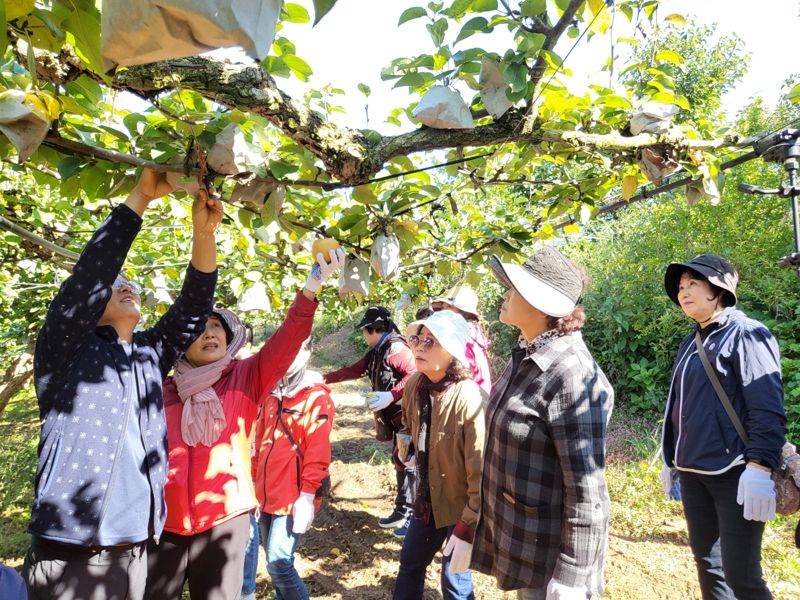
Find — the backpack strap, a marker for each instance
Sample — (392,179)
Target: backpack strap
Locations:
(723,397)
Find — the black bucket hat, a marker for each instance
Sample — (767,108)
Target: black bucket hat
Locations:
(377,316)
(712,267)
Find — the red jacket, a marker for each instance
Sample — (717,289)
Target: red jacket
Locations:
(281,474)
(209,485)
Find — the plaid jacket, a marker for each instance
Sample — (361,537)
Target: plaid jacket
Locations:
(544,502)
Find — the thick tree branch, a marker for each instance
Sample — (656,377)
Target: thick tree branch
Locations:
(37,240)
(348,155)
(552,36)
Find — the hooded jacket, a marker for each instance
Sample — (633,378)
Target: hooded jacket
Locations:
(281,471)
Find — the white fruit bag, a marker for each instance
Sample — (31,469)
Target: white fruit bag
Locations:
(443,108)
(25,120)
(232,153)
(653,117)
(493,88)
(136,32)
(385,256)
(354,278)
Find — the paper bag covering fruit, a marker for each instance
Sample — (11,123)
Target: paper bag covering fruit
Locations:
(232,153)
(385,256)
(443,108)
(493,88)
(653,117)
(136,32)
(354,278)
(25,119)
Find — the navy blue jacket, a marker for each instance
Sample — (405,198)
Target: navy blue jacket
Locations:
(698,434)
(82,394)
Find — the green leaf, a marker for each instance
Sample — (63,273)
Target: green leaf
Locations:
(364,195)
(676,18)
(294,13)
(14,9)
(83,32)
(437,29)
(281,169)
(298,66)
(794,94)
(69,167)
(532,8)
(415,12)
(472,26)
(275,65)
(321,8)
(483,5)
(413,80)
(364,89)
(669,56)
(458,8)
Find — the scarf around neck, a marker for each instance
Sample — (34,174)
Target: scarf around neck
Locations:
(202,418)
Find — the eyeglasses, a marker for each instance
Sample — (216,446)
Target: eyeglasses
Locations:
(425,342)
(121,282)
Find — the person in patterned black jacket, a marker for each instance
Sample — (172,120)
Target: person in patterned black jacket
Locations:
(103,448)
(543,524)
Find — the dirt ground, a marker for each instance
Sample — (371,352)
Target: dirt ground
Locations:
(347,556)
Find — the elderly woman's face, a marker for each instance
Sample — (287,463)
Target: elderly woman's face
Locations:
(432,359)
(515,310)
(209,347)
(696,298)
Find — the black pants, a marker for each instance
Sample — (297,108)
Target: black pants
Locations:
(726,546)
(52,571)
(406,486)
(211,562)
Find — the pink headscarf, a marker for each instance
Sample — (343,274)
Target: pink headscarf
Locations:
(203,419)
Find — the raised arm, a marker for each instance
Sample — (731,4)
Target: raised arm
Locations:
(186,318)
(75,311)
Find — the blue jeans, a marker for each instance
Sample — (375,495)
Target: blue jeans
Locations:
(251,559)
(420,545)
(279,543)
(726,546)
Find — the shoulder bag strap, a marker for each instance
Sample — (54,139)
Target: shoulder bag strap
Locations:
(723,397)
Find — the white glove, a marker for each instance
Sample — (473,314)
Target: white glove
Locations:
(322,269)
(560,591)
(666,479)
(757,494)
(461,553)
(379,400)
(411,463)
(303,512)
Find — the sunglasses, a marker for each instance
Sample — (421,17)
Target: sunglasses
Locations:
(426,343)
(121,282)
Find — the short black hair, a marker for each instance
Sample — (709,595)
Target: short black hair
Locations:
(376,329)
(423,313)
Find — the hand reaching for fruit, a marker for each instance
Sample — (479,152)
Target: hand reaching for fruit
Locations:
(329,259)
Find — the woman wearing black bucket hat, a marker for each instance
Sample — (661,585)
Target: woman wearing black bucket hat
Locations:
(726,489)
(543,524)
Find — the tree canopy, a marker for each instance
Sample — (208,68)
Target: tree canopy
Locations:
(548,164)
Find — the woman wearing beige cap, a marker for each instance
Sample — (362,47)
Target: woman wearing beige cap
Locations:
(543,524)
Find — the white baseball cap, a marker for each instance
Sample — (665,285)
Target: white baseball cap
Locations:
(450,330)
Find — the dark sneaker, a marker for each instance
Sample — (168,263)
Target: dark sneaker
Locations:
(396,519)
(401,531)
